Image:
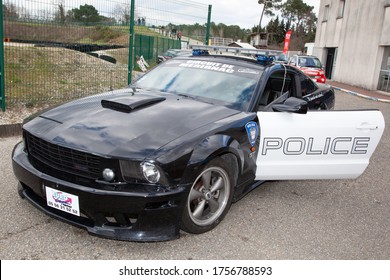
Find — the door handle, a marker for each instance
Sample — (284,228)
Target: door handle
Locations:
(367,126)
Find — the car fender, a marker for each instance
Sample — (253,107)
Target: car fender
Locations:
(209,148)
(184,157)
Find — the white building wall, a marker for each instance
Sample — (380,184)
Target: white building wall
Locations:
(359,36)
(385,38)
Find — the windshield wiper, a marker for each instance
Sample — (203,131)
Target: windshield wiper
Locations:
(186,96)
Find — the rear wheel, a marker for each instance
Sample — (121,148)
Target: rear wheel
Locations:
(209,199)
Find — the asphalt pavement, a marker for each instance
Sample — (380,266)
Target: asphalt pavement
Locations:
(374,95)
(314,219)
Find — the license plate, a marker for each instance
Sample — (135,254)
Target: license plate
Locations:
(63,201)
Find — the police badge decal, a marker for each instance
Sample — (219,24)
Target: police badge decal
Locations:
(252,130)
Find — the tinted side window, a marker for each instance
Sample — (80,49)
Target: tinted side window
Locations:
(278,87)
(307,85)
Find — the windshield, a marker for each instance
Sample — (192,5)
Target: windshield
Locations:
(212,82)
(309,62)
(281,57)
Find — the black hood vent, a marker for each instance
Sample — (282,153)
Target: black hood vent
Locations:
(127,108)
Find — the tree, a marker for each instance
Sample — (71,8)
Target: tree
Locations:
(86,13)
(122,13)
(311,27)
(268,7)
(296,11)
(302,20)
(60,14)
(10,11)
(276,29)
(43,15)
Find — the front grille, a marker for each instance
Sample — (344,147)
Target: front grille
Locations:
(63,159)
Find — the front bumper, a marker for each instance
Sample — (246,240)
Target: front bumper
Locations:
(132,216)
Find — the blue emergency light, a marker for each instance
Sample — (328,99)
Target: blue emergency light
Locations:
(197,52)
(264,59)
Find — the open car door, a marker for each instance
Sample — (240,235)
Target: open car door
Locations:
(317,145)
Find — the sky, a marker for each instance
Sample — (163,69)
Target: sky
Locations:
(244,13)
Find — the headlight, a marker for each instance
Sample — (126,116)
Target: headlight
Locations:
(138,172)
(150,171)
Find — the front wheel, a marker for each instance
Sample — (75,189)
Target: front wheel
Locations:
(209,199)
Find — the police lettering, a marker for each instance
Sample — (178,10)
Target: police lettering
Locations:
(300,145)
(214,66)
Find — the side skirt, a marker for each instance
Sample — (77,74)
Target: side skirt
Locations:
(243,189)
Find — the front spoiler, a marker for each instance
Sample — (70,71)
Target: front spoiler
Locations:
(144,217)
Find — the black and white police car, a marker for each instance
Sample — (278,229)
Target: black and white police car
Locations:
(177,147)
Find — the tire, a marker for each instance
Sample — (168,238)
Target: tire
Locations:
(322,107)
(209,198)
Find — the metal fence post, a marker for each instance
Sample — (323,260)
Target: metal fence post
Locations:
(208,26)
(131,43)
(2,87)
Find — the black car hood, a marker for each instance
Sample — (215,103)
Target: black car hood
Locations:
(120,124)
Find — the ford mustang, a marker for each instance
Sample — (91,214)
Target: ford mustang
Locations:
(178,146)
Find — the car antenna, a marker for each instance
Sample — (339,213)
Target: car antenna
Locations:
(284,79)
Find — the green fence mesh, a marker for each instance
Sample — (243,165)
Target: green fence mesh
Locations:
(149,47)
(57,50)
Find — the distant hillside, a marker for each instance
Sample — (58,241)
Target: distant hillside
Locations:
(72,33)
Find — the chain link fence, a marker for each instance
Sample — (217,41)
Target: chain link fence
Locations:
(58,50)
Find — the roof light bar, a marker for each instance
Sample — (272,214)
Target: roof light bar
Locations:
(200,52)
(236,50)
(264,59)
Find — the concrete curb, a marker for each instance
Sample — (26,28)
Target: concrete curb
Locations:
(9,130)
(361,95)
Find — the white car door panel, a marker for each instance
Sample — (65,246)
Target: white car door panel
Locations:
(317,145)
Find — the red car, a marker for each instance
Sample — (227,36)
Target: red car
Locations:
(310,65)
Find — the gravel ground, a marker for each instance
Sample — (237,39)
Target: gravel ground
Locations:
(17,114)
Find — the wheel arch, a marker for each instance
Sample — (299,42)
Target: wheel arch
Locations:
(211,147)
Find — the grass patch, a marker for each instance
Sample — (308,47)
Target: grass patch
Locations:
(34,75)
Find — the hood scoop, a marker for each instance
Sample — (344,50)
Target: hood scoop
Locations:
(127,108)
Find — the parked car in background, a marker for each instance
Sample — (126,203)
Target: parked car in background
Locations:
(310,65)
(281,58)
(173,53)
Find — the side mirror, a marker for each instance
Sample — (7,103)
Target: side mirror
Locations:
(292,105)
